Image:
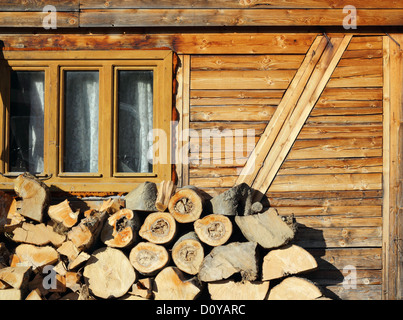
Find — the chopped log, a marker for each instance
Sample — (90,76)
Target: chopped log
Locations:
(143,288)
(38,234)
(60,284)
(63,216)
(188,253)
(69,250)
(187,204)
(132,297)
(111,206)
(70,296)
(165,191)
(87,231)
(79,261)
(84,293)
(142,198)
(158,227)
(73,281)
(289,260)
(30,255)
(16,277)
(37,283)
(10,294)
(34,194)
(267,229)
(109,273)
(224,261)
(295,288)
(9,217)
(170,284)
(120,230)
(213,229)
(60,268)
(148,258)
(236,201)
(231,290)
(34,295)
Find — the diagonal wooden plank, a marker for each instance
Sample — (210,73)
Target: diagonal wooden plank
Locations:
(289,101)
(290,130)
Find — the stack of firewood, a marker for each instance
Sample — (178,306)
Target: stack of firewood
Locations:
(158,242)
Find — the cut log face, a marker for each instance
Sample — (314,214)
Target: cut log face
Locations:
(295,288)
(7,206)
(268,228)
(187,204)
(148,258)
(109,273)
(289,260)
(16,277)
(233,202)
(63,216)
(165,191)
(13,219)
(30,255)
(224,261)
(214,229)
(142,198)
(38,234)
(34,295)
(34,194)
(170,284)
(111,206)
(188,253)
(143,288)
(121,229)
(158,227)
(10,294)
(231,290)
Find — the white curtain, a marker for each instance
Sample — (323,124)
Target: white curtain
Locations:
(135,120)
(27,121)
(81,121)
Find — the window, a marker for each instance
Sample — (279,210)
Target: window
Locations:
(86,120)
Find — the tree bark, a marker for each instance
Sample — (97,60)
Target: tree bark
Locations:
(109,273)
(148,258)
(268,228)
(120,230)
(170,284)
(289,260)
(214,229)
(224,261)
(188,253)
(236,201)
(34,194)
(142,198)
(187,204)
(158,228)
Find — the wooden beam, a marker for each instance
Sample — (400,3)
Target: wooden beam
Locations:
(35,19)
(39,5)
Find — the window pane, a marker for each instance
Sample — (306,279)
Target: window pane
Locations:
(81,121)
(26,121)
(135,113)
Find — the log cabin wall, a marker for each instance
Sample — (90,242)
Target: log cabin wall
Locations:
(337,178)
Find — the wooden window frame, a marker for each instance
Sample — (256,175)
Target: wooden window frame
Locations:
(107,62)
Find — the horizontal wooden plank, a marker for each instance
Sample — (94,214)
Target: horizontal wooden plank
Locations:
(356,81)
(236,94)
(335,109)
(347,212)
(339,221)
(360,258)
(351,94)
(36,19)
(274,79)
(39,5)
(365,42)
(370,181)
(349,104)
(240,62)
(232,113)
(181,43)
(345,120)
(339,237)
(362,54)
(257,127)
(234,101)
(311,131)
(336,148)
(234,17)
(334,277)
(138,4)
(359,292)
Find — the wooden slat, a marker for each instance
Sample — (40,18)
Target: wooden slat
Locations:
(340,221)
(232,113)
(35,19)
(331,211)
(181,43)
(294,124)
(351,94)
(234,17)
(289,100)
(137,4)
(241,80)
(337,132)
(38,5)
(360,292)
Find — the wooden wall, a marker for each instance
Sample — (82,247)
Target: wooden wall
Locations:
(331,179)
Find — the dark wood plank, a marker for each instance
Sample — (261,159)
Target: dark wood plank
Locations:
(35,19)
(39,5)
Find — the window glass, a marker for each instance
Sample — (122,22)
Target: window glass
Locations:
(26,121)
(135,120)
(81,121)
